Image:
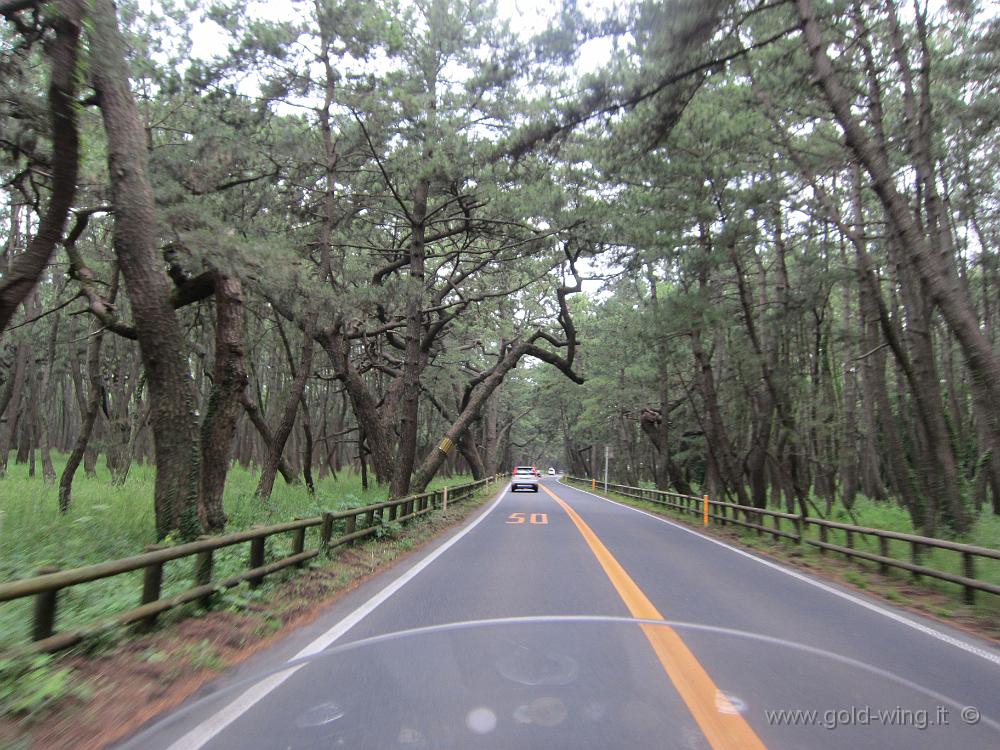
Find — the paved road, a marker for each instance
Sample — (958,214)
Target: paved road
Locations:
(748,639)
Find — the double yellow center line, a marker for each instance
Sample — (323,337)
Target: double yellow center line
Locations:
(718,719)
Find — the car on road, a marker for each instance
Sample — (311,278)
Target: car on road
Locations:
(552,472)
(524,478)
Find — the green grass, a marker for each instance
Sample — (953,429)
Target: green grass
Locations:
(30,684)
(984,533)
(106,522)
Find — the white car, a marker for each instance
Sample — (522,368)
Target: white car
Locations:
(524,478)
(552,472)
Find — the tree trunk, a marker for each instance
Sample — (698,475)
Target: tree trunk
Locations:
(379,437)
(27,268)
(415,357)
(470,452)
(229,381)
(92,405)
(284,429)
(307,452)
(44,441)
(287,472)
(896,464)
(491,441)
(26,431)
(29,422)
(307,448)
(655,425)
(161,340)
(720,451)
(938,469)
(12,399)
(470,411)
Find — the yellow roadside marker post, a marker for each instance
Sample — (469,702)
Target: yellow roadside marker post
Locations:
(593,483)
(705,519)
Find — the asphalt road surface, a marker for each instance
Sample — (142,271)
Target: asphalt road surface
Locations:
(755,655)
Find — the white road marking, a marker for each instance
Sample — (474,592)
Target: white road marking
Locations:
(990,656)
(216,723)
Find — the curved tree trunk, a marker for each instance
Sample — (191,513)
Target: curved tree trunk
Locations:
(28,267)
(431,464)
(161,340)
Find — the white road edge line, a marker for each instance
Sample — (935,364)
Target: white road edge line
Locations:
(989,656)
(212,726)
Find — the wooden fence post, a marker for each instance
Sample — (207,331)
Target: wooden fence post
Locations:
(915,557)
(350,526)
(45,608)
(256,558)
(299,543)
(969,569)
(326,531)
(152,581)
(203,574)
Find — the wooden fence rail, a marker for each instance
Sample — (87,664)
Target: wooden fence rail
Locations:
(356,524)
(754,518)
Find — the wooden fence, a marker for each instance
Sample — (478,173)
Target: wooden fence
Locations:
(351,524)
(750,517)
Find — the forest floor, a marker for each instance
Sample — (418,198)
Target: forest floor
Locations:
(938,600)
(98,693)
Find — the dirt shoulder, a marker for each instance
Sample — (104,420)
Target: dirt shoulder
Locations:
(104,692)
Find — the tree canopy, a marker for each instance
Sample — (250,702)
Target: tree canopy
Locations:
(750,246)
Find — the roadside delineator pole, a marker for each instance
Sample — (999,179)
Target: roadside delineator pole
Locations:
(705,516)
(593,483)
(445,499)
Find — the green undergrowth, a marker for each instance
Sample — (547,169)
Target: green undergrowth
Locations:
(30,684)
(985,532)
(107,522)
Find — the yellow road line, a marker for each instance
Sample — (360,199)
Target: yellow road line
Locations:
(720,722)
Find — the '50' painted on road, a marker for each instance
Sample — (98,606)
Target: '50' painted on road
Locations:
(539,519)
